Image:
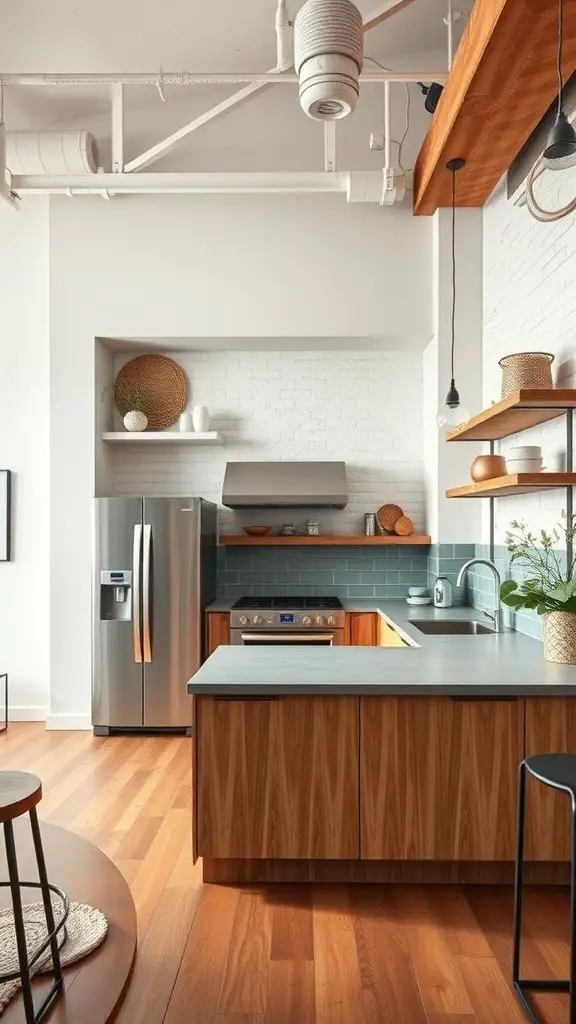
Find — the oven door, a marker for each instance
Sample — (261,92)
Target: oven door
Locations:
(283,638)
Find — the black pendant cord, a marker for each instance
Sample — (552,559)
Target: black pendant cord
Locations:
(559,55)
(453,319)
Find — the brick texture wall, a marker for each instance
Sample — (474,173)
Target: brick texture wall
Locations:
(362,407)
(529,305)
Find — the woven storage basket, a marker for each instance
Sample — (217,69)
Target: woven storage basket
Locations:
(387,516)
(526,370)
(162,384)
(560,637)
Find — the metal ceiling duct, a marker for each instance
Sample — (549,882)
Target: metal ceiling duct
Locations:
(285,485)
(52,152)
(328,57)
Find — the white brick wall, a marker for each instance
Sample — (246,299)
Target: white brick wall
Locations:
(362,407)
(530,305)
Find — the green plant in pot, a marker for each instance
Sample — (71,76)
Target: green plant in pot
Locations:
(130,403)
(549,586)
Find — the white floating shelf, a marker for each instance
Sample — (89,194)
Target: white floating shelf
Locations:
(162,437)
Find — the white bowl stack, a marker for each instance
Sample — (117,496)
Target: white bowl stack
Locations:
(527,458)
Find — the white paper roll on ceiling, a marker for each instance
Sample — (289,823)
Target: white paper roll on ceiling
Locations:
(52,152)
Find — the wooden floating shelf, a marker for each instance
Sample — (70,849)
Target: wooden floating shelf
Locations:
(324,540)
(515,483)
(520,411)
(162,437)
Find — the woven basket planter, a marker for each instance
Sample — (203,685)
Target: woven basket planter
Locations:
(560,637)
(526,370)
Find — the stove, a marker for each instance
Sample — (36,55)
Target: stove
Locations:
(287,613)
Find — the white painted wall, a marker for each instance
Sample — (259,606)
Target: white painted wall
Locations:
(24,433)
(361,407)
(200,266)
(530,305)
(447,464)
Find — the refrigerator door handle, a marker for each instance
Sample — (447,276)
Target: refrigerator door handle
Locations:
(136,603)
(146,592)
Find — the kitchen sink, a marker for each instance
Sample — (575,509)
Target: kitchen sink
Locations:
(451,627)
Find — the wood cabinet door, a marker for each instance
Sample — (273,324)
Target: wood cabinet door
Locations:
(438,778)
(217,631)
(550,729)
(364,629)
(277,777)
(387,635)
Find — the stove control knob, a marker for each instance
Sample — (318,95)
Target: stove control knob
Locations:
(319,620)
(243,620)
(270,620)
(331,620)
(257,620)
(306,620)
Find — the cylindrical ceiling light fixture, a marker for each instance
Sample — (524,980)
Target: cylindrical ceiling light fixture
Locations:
(453,414)
(328,57)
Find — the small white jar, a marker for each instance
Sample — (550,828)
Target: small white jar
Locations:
(186,422)
(201,419)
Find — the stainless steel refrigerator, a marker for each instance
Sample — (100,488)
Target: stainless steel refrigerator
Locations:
(153,572)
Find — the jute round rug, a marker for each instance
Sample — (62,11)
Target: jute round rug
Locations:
(86,928)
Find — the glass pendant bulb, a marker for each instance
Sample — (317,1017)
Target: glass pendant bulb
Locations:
(452,414)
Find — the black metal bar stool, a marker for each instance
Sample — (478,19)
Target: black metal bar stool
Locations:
(19,794)
(559,772)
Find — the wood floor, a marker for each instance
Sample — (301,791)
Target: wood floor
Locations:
(279,955)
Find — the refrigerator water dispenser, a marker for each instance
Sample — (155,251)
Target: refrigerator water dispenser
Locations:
(116,595)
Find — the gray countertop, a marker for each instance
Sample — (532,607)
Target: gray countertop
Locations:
(489,665)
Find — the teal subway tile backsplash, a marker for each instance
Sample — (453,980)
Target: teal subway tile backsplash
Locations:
(331,571)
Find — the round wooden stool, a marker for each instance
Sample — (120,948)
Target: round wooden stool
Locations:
(19,794)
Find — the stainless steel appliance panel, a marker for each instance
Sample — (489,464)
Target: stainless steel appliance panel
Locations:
(266,638)
(172,611)
(117,672)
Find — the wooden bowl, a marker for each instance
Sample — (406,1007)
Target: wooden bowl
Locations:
(256,531)
(486,467)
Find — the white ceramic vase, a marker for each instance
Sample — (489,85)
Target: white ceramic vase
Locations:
(135,421)
(186,422)
(201,419)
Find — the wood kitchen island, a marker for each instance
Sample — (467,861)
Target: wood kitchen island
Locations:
(372,780)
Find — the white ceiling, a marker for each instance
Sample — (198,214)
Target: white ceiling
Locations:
(137,35)
(140,35)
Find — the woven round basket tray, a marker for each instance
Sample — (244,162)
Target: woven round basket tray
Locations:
(403,526)
(161,384)
(387,516)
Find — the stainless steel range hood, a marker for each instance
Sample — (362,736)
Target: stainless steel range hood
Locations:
(285,485)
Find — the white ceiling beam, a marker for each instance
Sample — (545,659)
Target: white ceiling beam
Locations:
(163,147)
(384,10)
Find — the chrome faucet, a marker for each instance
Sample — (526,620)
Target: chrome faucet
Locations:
(496,617)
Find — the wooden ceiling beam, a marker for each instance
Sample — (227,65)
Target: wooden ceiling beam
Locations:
(502,81)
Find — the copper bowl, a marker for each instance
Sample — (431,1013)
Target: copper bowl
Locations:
(256,531)
(486,467)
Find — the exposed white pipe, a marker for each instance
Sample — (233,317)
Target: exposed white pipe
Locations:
(117,128)
(330,146)
(209,78)
(188,182)
(358,186)
(450,25)
(387,127)
(284,38)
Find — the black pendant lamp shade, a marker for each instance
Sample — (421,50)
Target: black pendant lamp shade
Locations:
(561,141)
(560,149)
